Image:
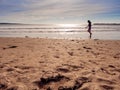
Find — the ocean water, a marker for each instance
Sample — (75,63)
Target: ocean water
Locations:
(60,31)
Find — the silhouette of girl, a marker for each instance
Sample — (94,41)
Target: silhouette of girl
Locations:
(89,27)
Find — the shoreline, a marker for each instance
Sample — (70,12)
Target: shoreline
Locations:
(82,35)
(69,39)
(79,39)
(43,63)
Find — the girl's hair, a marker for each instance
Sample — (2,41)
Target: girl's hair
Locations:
(89,21)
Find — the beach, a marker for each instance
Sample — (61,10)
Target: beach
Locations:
(59,64)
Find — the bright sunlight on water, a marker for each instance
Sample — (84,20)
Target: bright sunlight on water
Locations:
(60,31)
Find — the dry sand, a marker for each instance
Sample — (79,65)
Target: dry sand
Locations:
(51,64)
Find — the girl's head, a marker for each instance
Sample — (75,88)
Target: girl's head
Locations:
(89,21)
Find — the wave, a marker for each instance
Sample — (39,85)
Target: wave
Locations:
(57,31)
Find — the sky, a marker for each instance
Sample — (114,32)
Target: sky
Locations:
(59,11)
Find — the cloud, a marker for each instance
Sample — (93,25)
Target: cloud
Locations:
(63,8)
(44,10)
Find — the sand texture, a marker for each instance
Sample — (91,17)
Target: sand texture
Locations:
(51,64)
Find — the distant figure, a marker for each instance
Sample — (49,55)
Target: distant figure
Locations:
(89,28)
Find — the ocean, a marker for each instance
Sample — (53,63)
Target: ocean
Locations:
(60,31)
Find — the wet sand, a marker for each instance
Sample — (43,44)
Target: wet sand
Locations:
(51,64)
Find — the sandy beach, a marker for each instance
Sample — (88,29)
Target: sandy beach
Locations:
(58,64)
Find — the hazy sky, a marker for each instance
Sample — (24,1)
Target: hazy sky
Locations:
(59,11)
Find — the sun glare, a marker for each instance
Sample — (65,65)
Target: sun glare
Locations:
(68,25)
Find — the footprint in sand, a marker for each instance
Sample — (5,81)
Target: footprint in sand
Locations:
(56,56)
(106,87)
(50,79)
(117,55)
(70,53)
(9,47)
(63,69)
(78,83)
(68,68)
(100,80)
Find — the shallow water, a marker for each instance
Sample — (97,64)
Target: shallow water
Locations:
(108,32)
